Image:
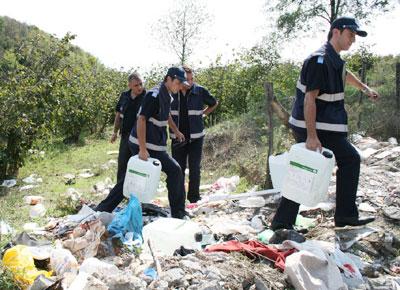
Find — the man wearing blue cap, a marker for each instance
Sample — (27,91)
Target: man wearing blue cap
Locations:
(149,139)
(319,119)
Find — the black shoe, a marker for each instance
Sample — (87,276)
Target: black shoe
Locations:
(277,226)
(183,215)
(194,199)
(352,221)
(284,234)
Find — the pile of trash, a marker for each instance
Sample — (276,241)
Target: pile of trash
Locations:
(227,243)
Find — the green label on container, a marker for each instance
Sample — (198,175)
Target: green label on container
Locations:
(304,167)
(138,173)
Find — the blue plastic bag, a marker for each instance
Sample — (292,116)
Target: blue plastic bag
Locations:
(128,223)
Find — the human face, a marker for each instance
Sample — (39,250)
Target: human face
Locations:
(173,85)
(346,38)
(136,86)
(189,78)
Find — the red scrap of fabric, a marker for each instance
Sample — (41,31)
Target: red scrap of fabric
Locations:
(252,249)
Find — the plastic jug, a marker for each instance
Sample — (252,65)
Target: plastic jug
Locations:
(142,178)
(308,175)
(278,166)
(168,234)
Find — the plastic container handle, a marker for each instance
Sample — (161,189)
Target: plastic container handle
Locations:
(327,154)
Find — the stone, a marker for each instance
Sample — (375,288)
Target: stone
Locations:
(124,281)
(260,285)
(28,187)
(193,266)
(174,276)
(392,212)
(210,285)
(366,207)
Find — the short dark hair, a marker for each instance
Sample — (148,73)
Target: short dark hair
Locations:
(330,33)
(134,76)
(165,78)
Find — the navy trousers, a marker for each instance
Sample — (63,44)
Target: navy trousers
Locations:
(190,153)
(176,191)
(347,175)
(123,155)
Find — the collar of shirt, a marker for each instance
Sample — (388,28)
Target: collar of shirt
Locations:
(335,58)
(164,91)
(134,97)
(188,91)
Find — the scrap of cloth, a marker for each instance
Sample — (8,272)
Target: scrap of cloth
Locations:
(254,249)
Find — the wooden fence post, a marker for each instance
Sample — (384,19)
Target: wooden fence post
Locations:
(269,93)
(398,87)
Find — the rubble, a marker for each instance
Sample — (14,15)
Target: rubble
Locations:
(69,179)
(32,179)
(86,173)
(102,188)
(194,254)
(5,228)
(9,183)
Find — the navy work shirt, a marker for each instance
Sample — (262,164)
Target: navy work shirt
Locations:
(323,70)
(129,107)
(155,108)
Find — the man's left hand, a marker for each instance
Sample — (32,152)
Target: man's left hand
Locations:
(179,136)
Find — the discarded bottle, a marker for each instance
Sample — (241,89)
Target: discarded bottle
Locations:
(169,234)
(278,169)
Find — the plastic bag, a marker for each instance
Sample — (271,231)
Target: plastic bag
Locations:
(128,220)
(62,261)
(19,261)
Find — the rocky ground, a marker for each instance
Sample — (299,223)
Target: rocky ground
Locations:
(373,249)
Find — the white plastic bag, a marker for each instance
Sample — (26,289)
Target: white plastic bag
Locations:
(62,261)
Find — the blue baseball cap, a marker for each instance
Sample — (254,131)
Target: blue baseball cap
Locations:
(178,73)
(349,23)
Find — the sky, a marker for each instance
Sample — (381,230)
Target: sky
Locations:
(119,33)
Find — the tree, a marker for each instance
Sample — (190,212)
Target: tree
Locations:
(299,15)
(28,76)
(183,27)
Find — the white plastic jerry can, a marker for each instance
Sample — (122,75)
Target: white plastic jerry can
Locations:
(142,178)
(278,168)
(308,175)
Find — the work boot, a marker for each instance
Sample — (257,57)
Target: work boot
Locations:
(277,226)
(352,221)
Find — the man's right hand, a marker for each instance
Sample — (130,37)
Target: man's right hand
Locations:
(144,154)
(113,137)
(313,143)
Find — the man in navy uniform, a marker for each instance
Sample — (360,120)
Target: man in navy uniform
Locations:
(187,110)
(125,119)
(149,137)
(319,119)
